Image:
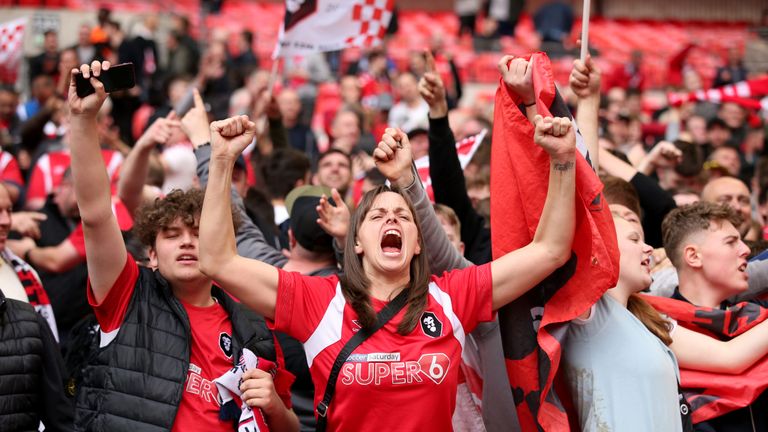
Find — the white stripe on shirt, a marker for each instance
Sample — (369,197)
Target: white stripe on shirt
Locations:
(328,331)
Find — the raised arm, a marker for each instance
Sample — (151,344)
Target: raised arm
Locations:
(251,281)
(585,83)
(517,74)
(662,155)
(697,351)
(396,164)
(52,259)
(249,238)
(447,175)
(133,174)
(265,104)
(334,218)
(615,166)
(277,132)
(104,245)
(32,130)
(655,201)
(519,270)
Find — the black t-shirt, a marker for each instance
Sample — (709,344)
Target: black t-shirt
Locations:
(66,290)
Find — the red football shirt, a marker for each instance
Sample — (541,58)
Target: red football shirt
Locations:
(124,221)
(9,169)
(210,352)
(50,168)
(390,382)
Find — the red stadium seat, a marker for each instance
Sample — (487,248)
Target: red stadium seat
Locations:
(614,39)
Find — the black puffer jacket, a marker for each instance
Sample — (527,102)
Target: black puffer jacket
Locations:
(136,382)
(31,372)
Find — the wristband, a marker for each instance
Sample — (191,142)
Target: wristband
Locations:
(529,105)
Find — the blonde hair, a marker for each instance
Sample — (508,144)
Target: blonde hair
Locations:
(449,215)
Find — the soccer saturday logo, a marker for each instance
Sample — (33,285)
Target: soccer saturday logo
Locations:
(378,368)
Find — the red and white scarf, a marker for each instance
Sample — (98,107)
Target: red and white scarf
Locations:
(251,420)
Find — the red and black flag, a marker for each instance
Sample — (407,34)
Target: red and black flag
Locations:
(532,326)
(713,394)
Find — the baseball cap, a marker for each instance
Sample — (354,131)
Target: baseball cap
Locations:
(301,204)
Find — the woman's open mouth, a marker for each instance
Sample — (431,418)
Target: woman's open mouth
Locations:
(391,242)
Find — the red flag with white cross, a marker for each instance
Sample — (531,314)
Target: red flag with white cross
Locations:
(465,148)
(330,25)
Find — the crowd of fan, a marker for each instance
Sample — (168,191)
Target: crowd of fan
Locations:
(151,139)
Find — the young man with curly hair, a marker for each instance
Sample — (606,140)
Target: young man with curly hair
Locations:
(166,333)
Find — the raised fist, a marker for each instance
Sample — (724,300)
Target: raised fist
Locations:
(585,78)
(555,135)
(517,73)
(393,155)
(229,137)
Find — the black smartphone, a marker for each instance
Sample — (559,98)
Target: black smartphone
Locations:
(117,77)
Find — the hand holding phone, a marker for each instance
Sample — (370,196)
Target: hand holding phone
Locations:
(87,106)
(116,78)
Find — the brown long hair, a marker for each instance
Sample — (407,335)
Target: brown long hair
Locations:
(355,285)
(650,317)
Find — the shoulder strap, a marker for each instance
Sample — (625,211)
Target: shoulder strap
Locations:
(382,318)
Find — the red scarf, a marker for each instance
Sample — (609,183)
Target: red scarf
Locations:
(712,394)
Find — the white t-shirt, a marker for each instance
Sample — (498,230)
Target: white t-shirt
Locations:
(409,118)
(621,376)
(281,214)
(180,167)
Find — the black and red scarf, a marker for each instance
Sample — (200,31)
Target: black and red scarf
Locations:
(713,394)
(29,279)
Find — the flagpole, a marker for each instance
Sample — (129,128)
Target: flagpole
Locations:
(585,30)
(272,77)
(276,58)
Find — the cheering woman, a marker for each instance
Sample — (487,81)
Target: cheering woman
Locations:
(403,376)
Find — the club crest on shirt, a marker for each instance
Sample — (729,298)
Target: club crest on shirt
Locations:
(225,343)
(430,325)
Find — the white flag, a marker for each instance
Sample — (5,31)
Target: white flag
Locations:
(11,45)
(329,25)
